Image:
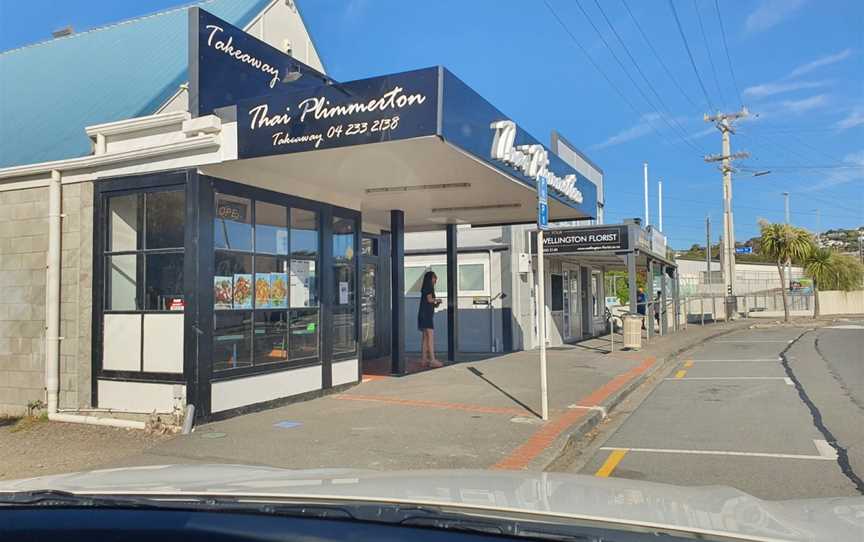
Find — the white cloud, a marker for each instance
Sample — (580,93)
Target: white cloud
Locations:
(801,106)
(853,119)
(771,13)
(838,176)
(641,128)
(702,133)
(819,62)
(769,89)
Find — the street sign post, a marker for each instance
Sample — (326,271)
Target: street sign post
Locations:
(542,224)
(744,250)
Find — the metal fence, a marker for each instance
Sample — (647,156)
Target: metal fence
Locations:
(702,309)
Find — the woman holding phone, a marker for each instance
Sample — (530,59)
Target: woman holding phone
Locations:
(425,320)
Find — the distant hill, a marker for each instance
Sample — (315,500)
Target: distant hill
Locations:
(842,240)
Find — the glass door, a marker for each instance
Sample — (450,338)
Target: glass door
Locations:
(574,309)
(368,310)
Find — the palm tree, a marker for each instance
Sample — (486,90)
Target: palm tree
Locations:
(784,244)
(832,271)
(821,267)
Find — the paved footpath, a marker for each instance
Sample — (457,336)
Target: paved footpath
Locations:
(775,412)
(472,414)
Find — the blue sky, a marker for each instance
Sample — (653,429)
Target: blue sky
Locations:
(798,65)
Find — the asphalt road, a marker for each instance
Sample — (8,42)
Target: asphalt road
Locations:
(777,413)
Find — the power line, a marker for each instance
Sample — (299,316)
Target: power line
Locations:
(683,132)
(690,55)
(600,70)
(708,50)
(726,49)
(591,60)
(658,57)
(630,77)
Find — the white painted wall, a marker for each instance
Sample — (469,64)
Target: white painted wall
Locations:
(163,343)
(239,392)
(121,342)
(345,372)
(137,396)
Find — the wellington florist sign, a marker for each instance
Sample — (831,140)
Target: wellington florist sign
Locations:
(393,107)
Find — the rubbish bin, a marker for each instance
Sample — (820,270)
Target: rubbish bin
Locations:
(633,331)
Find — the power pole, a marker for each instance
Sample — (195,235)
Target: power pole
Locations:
(645,182)
(660,204)
(724,121)
(788,263)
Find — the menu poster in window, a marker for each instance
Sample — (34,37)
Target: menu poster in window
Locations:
(278,290)
(343,293)
(262,290)
(243,291)
(301,278)
(223,288)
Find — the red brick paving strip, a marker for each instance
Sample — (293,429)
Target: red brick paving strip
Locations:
(433,404)
(522,456)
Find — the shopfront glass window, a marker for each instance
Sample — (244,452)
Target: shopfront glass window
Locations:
(595,293)
(232,225)
(164,280)
(557,292)
(271,228)
(144,251)
(122,287)
(232,340)
(472,277)
(345,287)
(414,279)
(123,226)
(165,213)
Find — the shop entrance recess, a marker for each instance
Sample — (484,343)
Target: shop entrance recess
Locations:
(375,296)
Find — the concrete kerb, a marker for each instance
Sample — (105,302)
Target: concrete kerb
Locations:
(570,438)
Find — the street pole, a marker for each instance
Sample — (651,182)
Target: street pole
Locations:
(723,121)
(542,223)
(541,327)
(788,263)
(660,204)
(645,182)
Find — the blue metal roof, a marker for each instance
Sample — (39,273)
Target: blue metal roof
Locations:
(50,91)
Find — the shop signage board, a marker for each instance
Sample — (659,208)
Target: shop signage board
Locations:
(398,106)
(226,65)
(586,239)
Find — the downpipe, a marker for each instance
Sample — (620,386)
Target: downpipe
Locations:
(52,317)
(52,296)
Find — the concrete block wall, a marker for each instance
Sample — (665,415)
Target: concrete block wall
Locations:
(23,250)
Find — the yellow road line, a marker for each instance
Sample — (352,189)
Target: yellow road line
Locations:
(688,364)
(680,374)
(611,462)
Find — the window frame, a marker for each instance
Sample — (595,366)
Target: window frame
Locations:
(104,253)
(119,186)
(426,262)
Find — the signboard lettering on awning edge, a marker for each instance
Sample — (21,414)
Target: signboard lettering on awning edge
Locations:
(531,160)
(388,108)
(226,65)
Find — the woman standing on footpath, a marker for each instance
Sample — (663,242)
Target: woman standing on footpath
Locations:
(425,320)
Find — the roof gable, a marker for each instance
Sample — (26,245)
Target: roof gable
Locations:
(51,90)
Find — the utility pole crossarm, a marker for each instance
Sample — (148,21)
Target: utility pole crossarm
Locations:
(734,156)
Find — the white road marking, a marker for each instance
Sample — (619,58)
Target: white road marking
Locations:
(825,450)
(757,341)
(845,326)
(787,380)
(741,360)
(819,457)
